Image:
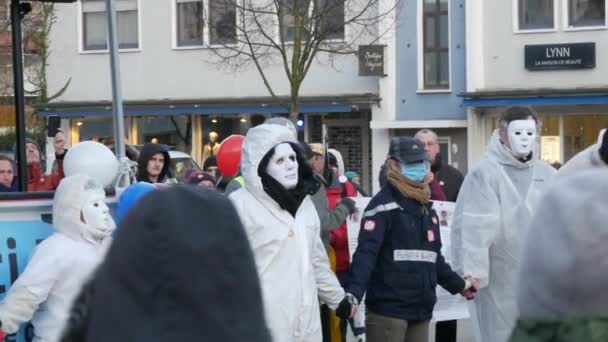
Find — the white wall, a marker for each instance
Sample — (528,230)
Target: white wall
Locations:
(496,54)
(160,72)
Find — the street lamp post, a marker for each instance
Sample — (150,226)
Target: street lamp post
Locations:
(18,11)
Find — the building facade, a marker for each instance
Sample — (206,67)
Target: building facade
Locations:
(425,66)
(174,90)
(546,54)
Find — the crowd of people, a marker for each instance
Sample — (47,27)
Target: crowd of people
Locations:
(165,273)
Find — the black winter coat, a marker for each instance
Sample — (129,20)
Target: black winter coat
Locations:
(398,261)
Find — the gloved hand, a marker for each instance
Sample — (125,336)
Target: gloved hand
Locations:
(350,204)
(347,307)
(1,333)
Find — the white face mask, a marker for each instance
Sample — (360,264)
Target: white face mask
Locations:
(283,166)
(522,137)
(98,222)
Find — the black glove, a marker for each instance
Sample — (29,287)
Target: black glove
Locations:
(345,307)
(350,204)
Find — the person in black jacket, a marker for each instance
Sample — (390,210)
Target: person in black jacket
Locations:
(153,163)
(398,261)
(449,178)
(186,275)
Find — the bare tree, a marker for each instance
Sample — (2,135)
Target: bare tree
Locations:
(293,34)
(38,25)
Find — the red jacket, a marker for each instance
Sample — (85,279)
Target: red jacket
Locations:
(338,237)
(38,181)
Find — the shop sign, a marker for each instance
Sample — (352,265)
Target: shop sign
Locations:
(560,56)
(371,60)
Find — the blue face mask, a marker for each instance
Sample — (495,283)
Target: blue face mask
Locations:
(415,172)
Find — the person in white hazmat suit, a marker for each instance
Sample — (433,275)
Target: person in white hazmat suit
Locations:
(493,211)
(61,264)
(283,229)
(594,156)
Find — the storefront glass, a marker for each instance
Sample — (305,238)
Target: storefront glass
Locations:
(171,130)
(98,128)
(562,136)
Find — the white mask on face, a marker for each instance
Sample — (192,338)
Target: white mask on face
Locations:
(283,166)
(522,137)
(98,222)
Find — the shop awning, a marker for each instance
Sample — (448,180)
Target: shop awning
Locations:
(185,111)
(208,107)
(535,97)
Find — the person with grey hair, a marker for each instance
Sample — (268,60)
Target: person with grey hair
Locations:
(493,211)
(449,178)
(562,296)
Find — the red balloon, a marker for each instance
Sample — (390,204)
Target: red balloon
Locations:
(229,155)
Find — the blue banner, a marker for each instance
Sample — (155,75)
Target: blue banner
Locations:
(17,242)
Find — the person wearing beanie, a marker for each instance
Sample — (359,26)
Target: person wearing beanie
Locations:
(210,166)
(153,163)
(398,262)
(171,277)
(60,264)
(283,229)
(491,218)
(202,179)
(561,282)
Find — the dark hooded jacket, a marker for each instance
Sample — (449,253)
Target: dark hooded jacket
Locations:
(146,153)
(186,275)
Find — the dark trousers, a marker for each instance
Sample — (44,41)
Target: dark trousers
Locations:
(446,331)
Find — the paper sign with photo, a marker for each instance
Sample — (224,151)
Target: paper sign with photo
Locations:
(448,307)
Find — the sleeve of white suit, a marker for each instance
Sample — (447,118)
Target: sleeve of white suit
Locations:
(475,226)
(31,288)
(328,287)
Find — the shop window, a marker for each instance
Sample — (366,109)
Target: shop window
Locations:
(586,13)
(199,26)
(535,14)
(436,51)
(94,24)
(581,131)
(97,128)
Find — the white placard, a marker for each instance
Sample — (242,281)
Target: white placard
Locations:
(449,307)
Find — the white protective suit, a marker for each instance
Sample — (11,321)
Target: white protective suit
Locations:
(492,214)
(291,260)
(584,160)
(60,265)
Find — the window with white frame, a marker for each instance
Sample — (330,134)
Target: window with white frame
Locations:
(199,26)
(94,24)
(189,22)
(586,13)
(327,18)
(436,50)
(536,14)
